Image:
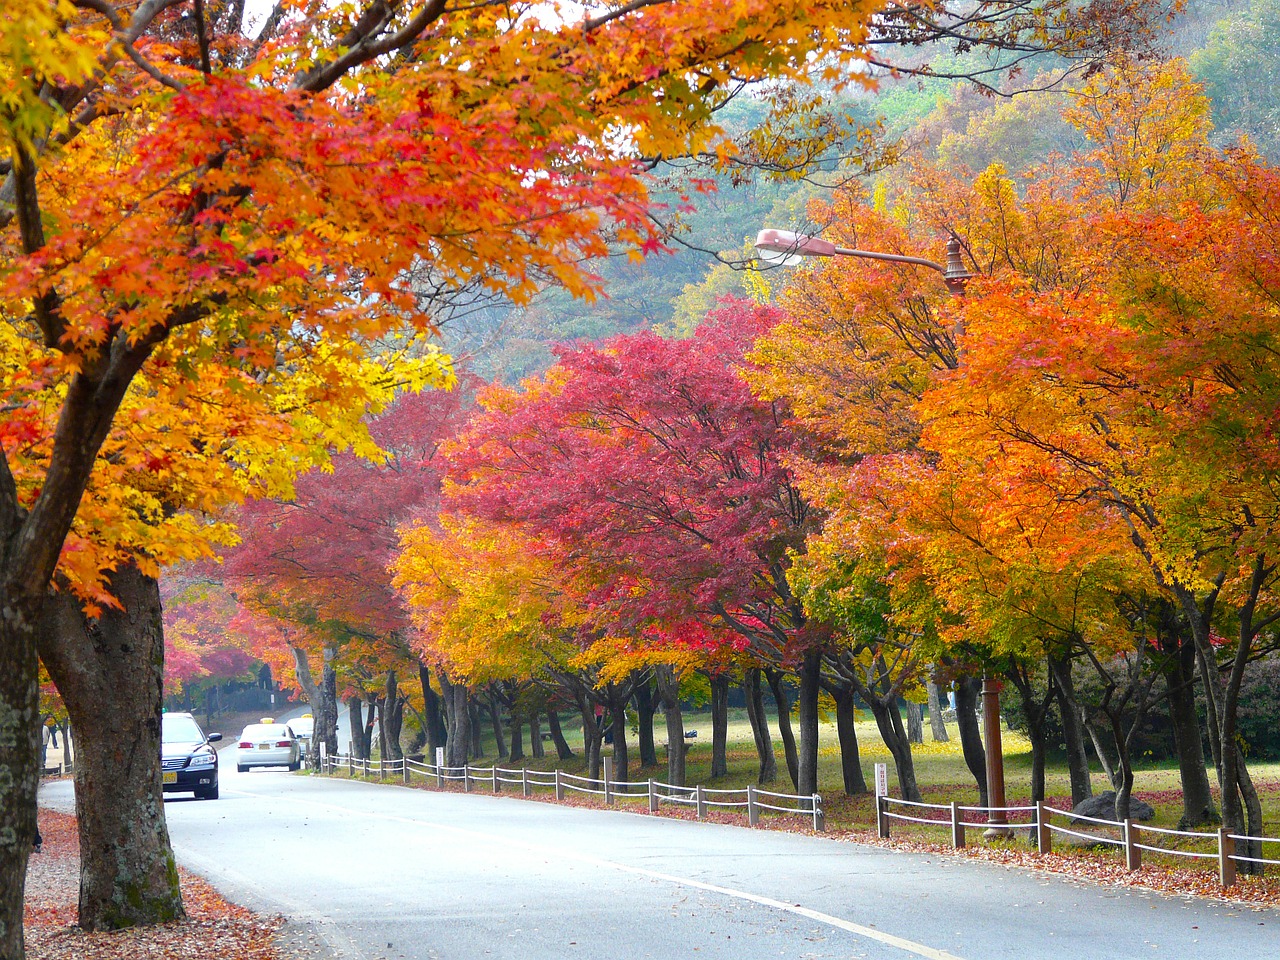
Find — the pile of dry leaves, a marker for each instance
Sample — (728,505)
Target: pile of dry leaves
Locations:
(213,928)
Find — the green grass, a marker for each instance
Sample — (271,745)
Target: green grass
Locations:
(940,769)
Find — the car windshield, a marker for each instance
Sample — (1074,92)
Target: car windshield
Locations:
(175,729)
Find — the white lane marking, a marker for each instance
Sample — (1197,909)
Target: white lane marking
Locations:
(869,933)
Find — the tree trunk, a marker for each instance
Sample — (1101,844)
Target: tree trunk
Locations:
(1073,731)
(458,739)
(326,711)
(894,734)
(915,722)
(495,717)
(592,735)
(646,707)
(110,673)
(437,732)
(517,740)
(760,726)
(19,747)
(937,726)
(850,762)
(784,724)
(473,725)
(355,721)
(535,734)
(1197,796)
(392,719)
(975,755)
(719,724)
(669,693)
(618,716)
(810,669)
(563,751)
(1108,768)
(370,724)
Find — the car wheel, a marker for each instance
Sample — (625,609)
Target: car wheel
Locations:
(210,794)
(295,765)
(241,768)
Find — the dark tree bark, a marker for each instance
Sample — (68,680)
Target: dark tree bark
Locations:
(846,719)
(754,696)
(458,740)
(473,709)
(646,707)
(517,738)
(494,706)
(432,709)
(975,755)
(619,695)
(391,719)
(937,726)
(894,734)
(669,693)
(719,724)
(326,711)
(1072,730)
(563,750)
(1197,797)
(370,723)
(810,670)
(355,720)
(19,749)
(109,671)
(535,733)
(1036,710)
(779,691)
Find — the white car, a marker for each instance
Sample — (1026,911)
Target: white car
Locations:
(304,727)
(268,744)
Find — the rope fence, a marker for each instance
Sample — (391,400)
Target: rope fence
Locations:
(1229,849)
(655,792)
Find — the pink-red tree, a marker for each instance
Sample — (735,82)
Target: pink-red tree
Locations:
(652,472)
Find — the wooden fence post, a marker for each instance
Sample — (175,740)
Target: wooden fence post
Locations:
(466,778)
(351,764)
(524,781)
(608,776)
(559,786)
(882,822)
(1226,866)
(753,811)
(1044,836)
(819,822)
(957,826)
(382,767)
(700,802)
(405,764)
(1132,853)
(653,797)
(496,781)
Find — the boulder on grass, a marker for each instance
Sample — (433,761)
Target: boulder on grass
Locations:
(1103,807)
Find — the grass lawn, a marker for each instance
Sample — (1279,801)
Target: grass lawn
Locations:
(940,770)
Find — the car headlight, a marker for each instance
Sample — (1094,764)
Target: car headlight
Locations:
(200,761)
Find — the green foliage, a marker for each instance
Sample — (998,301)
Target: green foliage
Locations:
(1240,67)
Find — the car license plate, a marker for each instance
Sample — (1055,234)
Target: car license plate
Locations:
(170,778)
(264,746)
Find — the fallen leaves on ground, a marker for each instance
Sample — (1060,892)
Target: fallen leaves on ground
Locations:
(213,928)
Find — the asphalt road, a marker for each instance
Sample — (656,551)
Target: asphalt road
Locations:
(382,872)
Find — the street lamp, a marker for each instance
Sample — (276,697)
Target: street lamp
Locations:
(784,248)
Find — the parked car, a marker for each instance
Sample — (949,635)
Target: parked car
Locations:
(268,744)
(188,761)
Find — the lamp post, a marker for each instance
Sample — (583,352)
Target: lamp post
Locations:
(784,248)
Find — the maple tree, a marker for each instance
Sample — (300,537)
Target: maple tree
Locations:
(661,483)
(1079,429)
(200,193)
